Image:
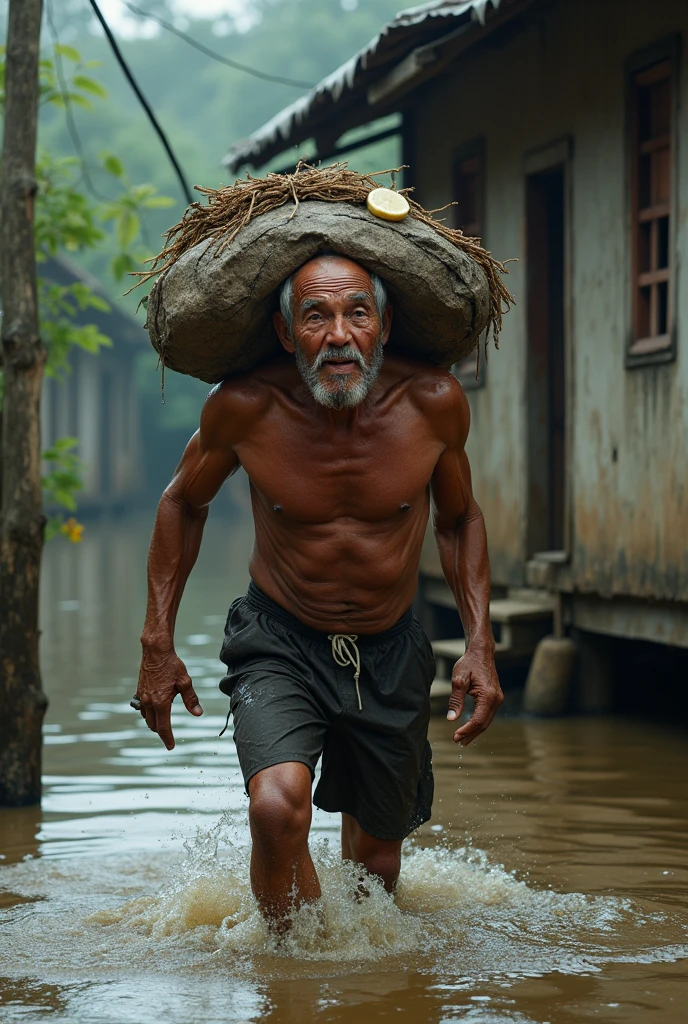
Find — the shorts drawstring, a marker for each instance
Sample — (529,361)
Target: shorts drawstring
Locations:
(345,652)
(226,727)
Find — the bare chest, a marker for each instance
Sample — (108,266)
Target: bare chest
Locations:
(316,476)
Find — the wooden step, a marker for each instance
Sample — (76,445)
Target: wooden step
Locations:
(508,610)
(504,610)
(521,624)
(531,595)
(456,649)
(449,648)
(449,651)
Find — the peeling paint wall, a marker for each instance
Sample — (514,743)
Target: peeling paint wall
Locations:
(563,74)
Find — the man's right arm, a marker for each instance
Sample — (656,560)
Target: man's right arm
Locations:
(209,459)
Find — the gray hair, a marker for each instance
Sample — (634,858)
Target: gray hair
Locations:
(287,293)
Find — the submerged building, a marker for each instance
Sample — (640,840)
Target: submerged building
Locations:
(97,402)
(559,128)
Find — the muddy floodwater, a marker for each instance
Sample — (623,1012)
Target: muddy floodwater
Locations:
(550,886)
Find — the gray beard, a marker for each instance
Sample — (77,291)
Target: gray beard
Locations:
(340,391)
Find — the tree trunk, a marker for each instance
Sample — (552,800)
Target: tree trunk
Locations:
(22,702)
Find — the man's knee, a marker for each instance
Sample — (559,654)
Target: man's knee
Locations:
(384,861)
(380,857)
(280,808)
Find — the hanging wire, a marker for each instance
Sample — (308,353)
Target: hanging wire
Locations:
(297,83)
(143,101)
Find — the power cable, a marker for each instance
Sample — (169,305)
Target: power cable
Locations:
(143,101)
(218,56)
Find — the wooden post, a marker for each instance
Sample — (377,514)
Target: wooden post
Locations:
(22,701)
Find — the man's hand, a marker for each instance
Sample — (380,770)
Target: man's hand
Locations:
(476,674)
(161,678)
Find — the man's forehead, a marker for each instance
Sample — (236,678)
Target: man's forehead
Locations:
(325,274)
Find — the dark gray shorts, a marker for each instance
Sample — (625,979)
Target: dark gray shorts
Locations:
(291,701)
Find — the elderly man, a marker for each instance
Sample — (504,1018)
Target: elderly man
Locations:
(345,450)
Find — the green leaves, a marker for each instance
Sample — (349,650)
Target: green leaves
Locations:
(59,306)
(62,86)
(126,215)
(122,265)
(113,164)
(128,226)
(62,50)
(63,480)
(61,483)
(64,219)
(158,202)
(90,85)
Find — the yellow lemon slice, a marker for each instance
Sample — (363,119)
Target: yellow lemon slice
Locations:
(387,204)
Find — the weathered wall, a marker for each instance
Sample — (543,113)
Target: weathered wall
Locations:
(564,76)
(72,408)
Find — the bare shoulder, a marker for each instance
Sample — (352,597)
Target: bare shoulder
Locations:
(232,407)
(439,395)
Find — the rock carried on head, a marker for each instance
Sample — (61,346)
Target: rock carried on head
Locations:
(218,277)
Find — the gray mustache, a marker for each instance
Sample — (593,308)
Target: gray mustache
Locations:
(339,355)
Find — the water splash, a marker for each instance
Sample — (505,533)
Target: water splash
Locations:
(448,900)
(211,897)
(455,913)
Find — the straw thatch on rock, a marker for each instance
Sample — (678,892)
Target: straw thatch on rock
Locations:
(210,309)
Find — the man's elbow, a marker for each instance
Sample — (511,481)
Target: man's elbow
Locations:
(473,513)
(176,497)
(447,525)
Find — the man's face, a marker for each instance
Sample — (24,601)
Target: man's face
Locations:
(337,336)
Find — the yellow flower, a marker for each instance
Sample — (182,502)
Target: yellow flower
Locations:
(72,530)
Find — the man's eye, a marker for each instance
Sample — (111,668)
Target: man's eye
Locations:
(360,312)
(314,316)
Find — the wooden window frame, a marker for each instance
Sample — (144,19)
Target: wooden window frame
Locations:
(464,371)
(642,69)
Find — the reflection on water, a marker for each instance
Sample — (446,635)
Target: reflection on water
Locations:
(551,884)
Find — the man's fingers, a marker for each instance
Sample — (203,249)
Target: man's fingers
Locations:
(164,725)
(148,712)
(458,695)
(191,701)
(477,723)
(456,701)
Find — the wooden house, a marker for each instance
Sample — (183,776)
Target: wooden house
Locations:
(559,128)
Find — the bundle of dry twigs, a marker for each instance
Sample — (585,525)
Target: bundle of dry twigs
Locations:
(232,207)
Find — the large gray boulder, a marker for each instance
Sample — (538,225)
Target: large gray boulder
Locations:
(210,314)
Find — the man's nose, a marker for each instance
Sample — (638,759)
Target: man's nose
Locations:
(339,333)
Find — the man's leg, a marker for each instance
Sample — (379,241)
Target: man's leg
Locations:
(282,872)
(381,857)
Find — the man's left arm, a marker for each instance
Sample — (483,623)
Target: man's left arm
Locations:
(462,544)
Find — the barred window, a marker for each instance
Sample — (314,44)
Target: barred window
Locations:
(652,147)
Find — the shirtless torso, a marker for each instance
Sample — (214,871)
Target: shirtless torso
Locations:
(340,509)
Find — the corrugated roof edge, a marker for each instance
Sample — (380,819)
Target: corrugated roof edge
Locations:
(277,133)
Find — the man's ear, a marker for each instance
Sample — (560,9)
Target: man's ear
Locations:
(282,330)
(387,323)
